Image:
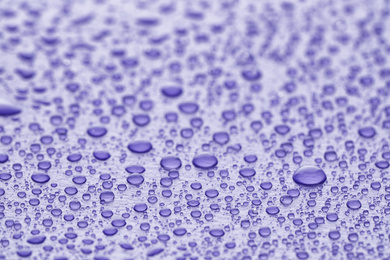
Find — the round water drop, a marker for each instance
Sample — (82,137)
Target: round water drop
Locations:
(302,255)
(334,235)
(163,237)
(171,117)
(170,163)
(101,155)
(353,237)
(46,139)
(217,232)
(330,156)
(107,214)
(74,157)
(266,185)
(5,176)
(382,164)
(293,193)
(212,193)
(110,231)
(309,176)
(34,202)
(196,122)
(251,158)
(97,131)
(205,161)
(186,133)
(272,210)
(79,180)
(146,105)
(141,120)
(135,169)
(180,232)
(135,179)
(282,129)
(40,178)
(72,87)
(251,75)
(75,205)
(107,196)
(165,212)
(166,182)
(44,165)
(140,207)
(354,204)
(256,126)
(221,138)
(188,108)
(367,132)
(196,186)
(286,200)
(332,217)
(36,240)
(247,172)
(265,232)
(172,92)
(24,253)
(71,190)
(6,139)
(118,223)
(140,147)
(3,158)
(118,111)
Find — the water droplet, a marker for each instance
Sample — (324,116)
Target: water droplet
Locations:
(367,132)
(247,172)
(97,131)
(140,147)
(170,163)
(309,176)
(8,110)
(205,161)
(354,204)
(40,178)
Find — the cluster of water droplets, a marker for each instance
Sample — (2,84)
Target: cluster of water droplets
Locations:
(194,130)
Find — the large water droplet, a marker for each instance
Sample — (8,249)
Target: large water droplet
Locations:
(205,161)
(309,176)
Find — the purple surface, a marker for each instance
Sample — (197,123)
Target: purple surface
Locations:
(194,129)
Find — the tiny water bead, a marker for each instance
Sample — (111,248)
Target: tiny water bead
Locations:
(309,176)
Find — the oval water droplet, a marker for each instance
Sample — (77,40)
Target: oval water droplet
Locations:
(205,161)
(309,176)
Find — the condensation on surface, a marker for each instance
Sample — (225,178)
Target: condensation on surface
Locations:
(194,129)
